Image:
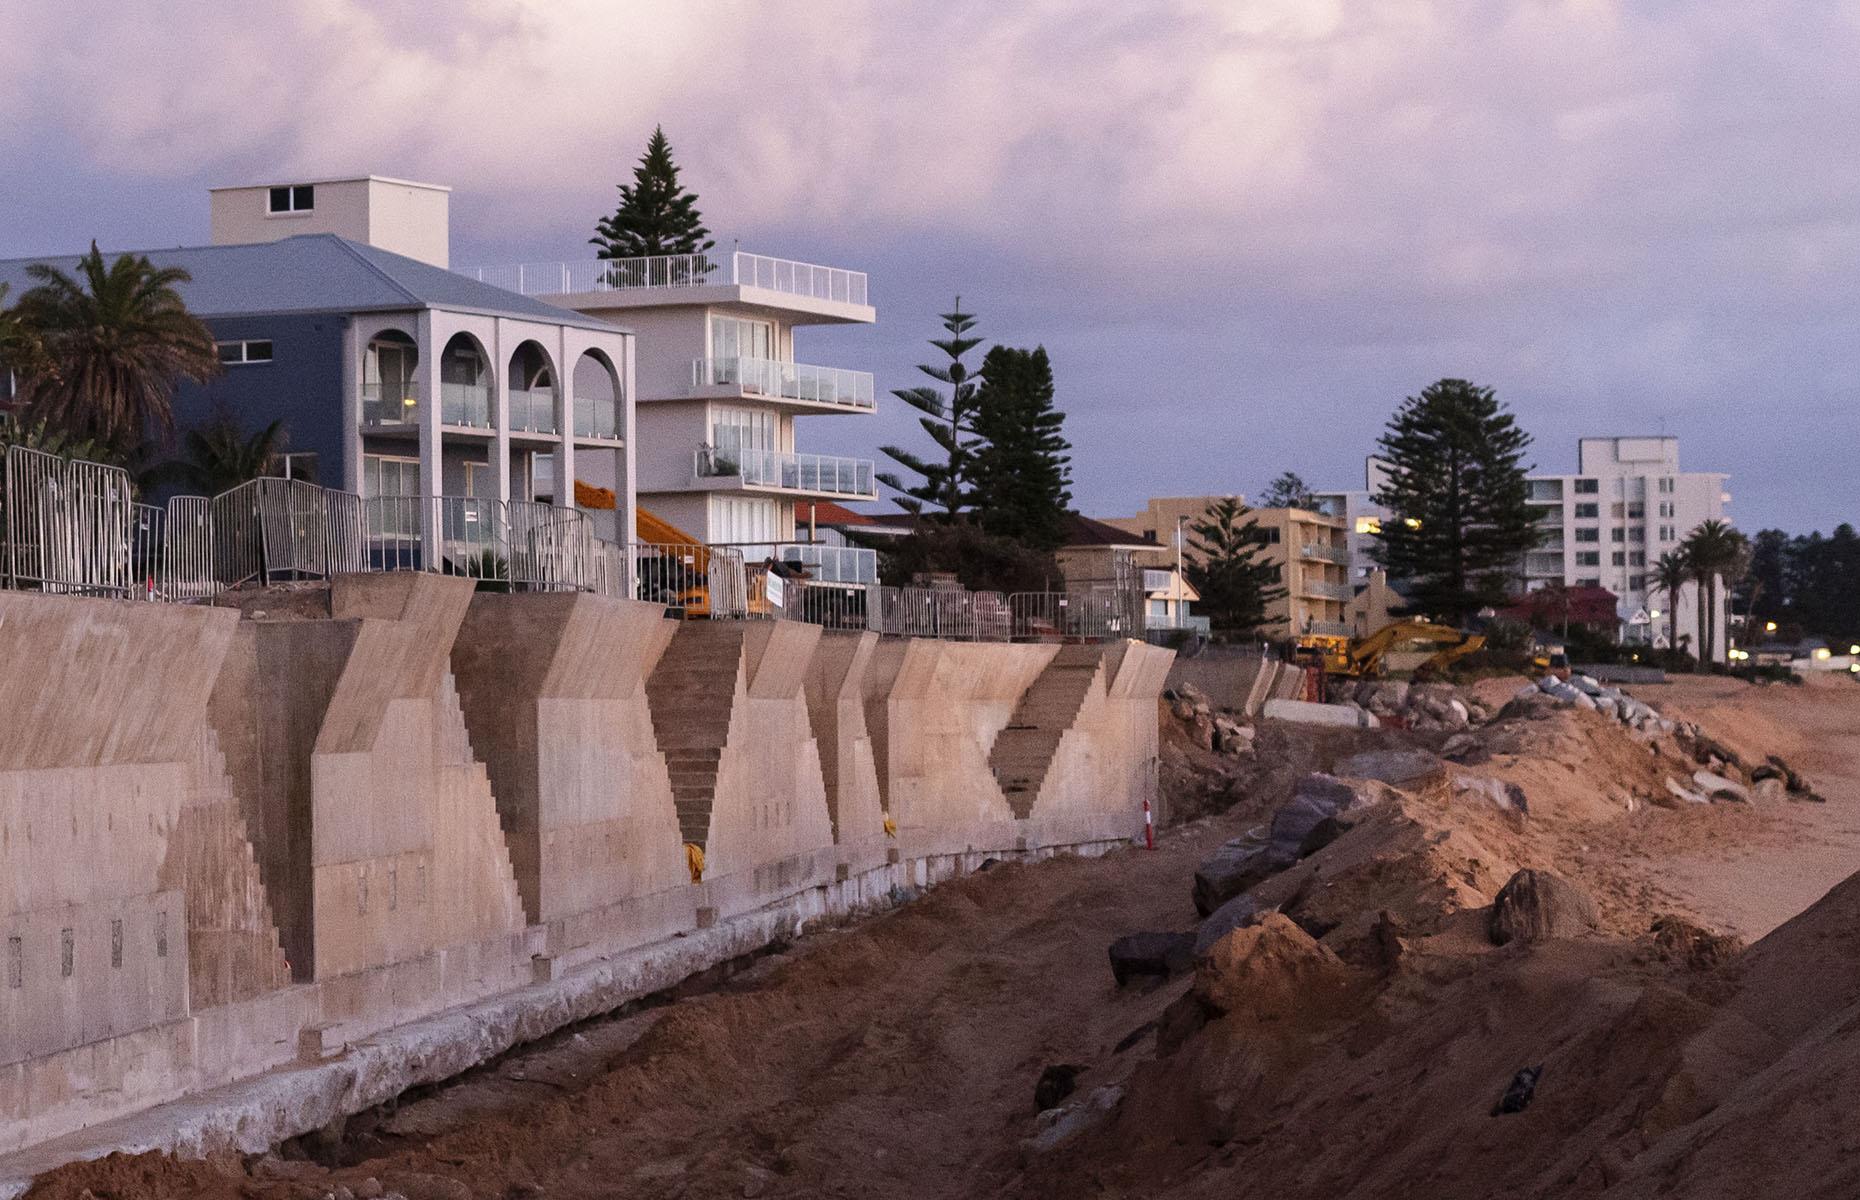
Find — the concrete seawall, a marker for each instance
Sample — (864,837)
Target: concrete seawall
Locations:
(246,859)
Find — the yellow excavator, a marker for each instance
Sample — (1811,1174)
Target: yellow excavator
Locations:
(1363,658)
(685,585)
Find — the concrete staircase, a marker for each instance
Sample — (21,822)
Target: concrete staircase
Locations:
(1024,751)
(692,693)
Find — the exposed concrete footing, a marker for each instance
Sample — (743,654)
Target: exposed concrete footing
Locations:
(255,1114)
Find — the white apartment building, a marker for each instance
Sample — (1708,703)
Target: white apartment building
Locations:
(1605,525)
(719,391)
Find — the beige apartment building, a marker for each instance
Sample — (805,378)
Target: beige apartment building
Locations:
(1310,549)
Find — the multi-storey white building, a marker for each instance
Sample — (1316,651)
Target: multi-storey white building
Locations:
(719,391)
(1605,525)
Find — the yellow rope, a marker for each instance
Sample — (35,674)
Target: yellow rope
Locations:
(694,861)
(891,826)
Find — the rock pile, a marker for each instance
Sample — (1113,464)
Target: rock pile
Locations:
(1423,707)
(1218,731)
(1582,692)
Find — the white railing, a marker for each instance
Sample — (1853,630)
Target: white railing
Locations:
(827,564)
(1326,553)
(1329,591)
(823,473)
(679,271)
(1328,628)
(790,381)
(1190,623)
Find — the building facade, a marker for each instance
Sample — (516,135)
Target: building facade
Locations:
(393,377)
(720,392)
(1309,551)
(1604,526)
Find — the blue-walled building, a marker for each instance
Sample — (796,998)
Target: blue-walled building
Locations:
(395,376)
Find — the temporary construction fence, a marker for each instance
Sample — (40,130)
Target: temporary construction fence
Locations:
(68,525)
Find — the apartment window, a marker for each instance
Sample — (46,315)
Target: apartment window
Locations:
(383,475)
(1637,534)
(298,199)
(1636,510)
(1617,534)
(1270,535)
(1666,533)
(480,483)
(1666,486)
(742,519)
(1618,559)
(1666,508)
(734,337)
(1588,558)
(735,430)
(1159,608)
(1588,487)
(1637,583)
(1637,558)
(1591,581)
(1588,535)
(233,353)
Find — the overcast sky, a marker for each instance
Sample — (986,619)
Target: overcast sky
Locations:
(1244,230)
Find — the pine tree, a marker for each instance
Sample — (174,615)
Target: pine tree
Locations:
(1459,525)
(1022,473)
(1287,491)
(950,422)
(1235,584)
(656,214)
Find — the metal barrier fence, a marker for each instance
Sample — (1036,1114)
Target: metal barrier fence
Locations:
(74,527)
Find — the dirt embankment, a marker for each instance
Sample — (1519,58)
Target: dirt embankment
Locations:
(1352,1039)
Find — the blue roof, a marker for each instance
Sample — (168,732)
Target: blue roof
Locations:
(319,272)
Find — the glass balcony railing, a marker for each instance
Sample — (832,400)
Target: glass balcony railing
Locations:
(822,473)
(789,381)
(824,564)
(532,410)
(390,404)
(596,418)
(1326,553)
(465,404)
(1329,591)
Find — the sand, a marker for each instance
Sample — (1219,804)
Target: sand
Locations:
(898,1057)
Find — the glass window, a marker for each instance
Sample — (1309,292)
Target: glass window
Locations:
(1588,487)
(1637,558)
(1587,512)
(1617,534)
(303,198)
(742,519)
(735,337)
(245,352)
(1619,559)
(1588,558)
(1595,581)
(386,476)
(280,199)
(734,430)
(1588,535)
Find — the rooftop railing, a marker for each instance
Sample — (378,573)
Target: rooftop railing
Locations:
(679,271)
(789,381)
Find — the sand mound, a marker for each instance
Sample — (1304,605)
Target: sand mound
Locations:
(1273,972)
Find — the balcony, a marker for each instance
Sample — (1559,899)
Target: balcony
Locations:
(1327,591)
(596,418)
(1539,565)
(390,405)
(786,381)
(824,564)
(1328,629)
(467,404)
(819,473)
(532,410)
(1326,553)
(670,271)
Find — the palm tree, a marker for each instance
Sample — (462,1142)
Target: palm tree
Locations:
(1718,554)
(221,456)
(115,341)
(1670,574)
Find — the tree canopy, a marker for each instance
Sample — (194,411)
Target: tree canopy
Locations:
(1289,490)
(109,344)
(947,485)
(1235,582)
(1021,471)
(1808,582)
(657,215)
(1717,554)
(1456,491)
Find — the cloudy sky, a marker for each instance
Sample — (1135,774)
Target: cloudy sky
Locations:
(1244,230)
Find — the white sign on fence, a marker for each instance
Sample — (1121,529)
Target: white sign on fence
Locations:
(773,589)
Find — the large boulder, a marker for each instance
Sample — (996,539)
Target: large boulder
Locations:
(1409,770)
(1233,868)
(1536,906)
(1154,954)
(1718,787)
